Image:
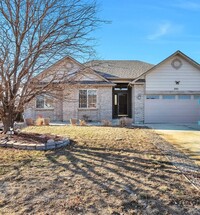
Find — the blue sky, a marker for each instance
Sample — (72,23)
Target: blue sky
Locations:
(148,30)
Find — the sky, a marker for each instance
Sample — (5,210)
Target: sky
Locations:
(148,30)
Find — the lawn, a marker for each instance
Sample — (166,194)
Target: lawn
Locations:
(106,170)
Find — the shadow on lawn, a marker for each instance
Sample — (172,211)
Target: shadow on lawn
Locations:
(126,174)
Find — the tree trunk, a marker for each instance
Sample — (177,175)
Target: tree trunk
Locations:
(8,122)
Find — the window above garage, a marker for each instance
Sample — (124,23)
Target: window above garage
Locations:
(152,96)
(196,96)
(184,97)
(168,96)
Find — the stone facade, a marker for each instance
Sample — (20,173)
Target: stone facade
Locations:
(138,103)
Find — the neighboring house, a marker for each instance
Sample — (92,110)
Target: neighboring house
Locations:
(164,93)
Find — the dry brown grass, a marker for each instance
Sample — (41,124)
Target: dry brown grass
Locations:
(186,141)
(107,170)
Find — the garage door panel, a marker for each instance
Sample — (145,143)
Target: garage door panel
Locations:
(168,111)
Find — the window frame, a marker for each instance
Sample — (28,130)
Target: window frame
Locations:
(187,97)
(88,100)
(158,97)
(168,97)
(197,97)
(43,108)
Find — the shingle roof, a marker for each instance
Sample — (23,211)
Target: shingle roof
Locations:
(129,69)
(93,82)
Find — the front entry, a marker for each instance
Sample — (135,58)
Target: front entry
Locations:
(122,104)
(121,101)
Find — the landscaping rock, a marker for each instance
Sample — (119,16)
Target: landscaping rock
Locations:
(50,141)
(31,147)
(50,146)
(24,144)
(40,147)
(10,144)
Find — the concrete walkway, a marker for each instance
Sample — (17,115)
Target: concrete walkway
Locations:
(185,137)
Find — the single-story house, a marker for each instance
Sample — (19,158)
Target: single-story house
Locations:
(168,92)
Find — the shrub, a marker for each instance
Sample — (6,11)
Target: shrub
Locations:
(29,121)
(39,121)
(46,121)
(82,122)
(73,121)
(125,122)
(106,122)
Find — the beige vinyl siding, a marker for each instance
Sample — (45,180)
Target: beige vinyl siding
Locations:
(163,78)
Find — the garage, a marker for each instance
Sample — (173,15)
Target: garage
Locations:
(172,109)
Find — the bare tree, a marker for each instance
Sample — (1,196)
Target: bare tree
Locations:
(33,34)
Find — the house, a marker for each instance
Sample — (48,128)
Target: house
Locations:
(164,93)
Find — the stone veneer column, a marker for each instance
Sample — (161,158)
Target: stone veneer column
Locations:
(138,103)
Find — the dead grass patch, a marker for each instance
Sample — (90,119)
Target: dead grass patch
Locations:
(108,170)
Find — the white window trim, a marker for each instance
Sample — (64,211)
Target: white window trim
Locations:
(45,108)
(87,108)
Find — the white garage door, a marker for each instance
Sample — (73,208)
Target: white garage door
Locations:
(172,108)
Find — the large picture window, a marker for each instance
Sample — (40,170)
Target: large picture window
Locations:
(87,98)
(44,102)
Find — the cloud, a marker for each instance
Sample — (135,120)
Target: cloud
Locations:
(188,5)
(162,30)
(166,29)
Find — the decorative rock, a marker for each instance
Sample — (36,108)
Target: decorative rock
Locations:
(10,144)
(20,146)
(50,141)
(42,136)
(15,145)
(10,132)
(31,146)
(50,144)
(3,144)
(40,147)
(67,142)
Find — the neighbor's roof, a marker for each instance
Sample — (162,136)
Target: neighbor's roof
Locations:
(115,69)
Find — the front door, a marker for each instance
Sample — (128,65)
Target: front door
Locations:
(121,101)
(122,104)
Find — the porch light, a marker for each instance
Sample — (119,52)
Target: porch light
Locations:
(139,96)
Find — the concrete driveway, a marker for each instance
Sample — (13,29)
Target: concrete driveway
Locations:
(185,137)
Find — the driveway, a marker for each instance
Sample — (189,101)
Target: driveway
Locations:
(185,137)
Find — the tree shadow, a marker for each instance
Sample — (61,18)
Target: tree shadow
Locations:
(124,174)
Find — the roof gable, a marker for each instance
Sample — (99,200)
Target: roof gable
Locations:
(175,54)
(69,68)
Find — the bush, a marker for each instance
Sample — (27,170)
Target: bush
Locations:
(46,121)
(125,122)
(73,121)
(82,122)
(39,121)
(106,122)
(29,121)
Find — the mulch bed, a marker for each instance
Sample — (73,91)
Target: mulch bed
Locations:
(30,137)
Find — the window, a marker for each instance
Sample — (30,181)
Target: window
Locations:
(87,98)
(45,102)
(168,97)
(152,97)
(196,96)
(184,97)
